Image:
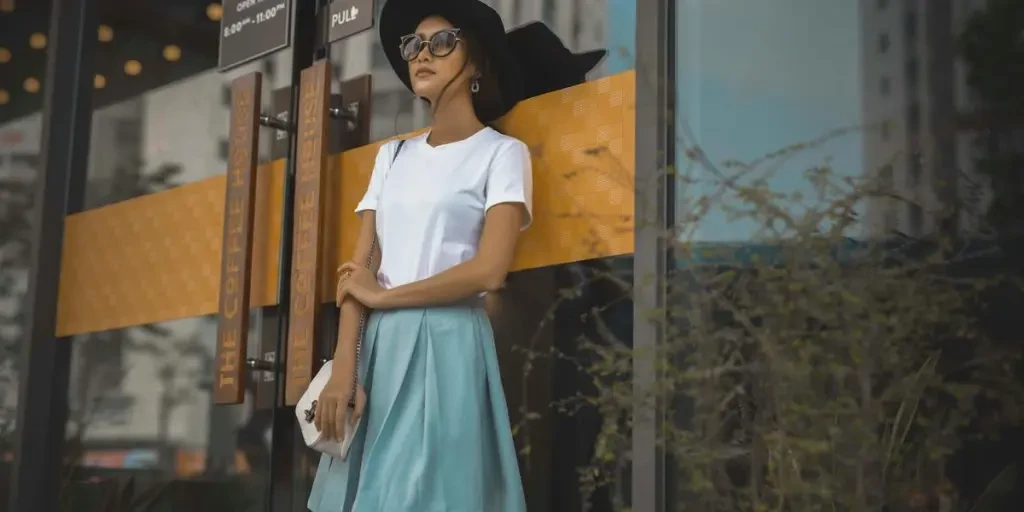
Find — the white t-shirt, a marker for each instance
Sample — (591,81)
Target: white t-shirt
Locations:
(431,202)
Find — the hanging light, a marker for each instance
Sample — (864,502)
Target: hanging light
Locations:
(105,34)
(5,55)
(31,84)
(37,41)
(132,67)
(99,81)
(214,12)
(4,97)
(172,53)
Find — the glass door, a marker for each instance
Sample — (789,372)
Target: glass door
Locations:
(566,308)
(165,406)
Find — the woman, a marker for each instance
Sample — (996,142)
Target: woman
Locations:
(447,207)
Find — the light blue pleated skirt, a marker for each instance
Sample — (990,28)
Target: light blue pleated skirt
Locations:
(435,436)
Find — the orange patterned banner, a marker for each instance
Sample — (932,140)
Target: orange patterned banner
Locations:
(155,258)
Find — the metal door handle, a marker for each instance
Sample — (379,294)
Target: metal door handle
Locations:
(275,123)
(260,365)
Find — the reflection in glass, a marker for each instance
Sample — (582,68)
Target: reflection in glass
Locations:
(138,143)
(19,166)
(140,407)
(848,229)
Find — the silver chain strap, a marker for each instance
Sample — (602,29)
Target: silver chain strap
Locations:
(363,315)
(362,326)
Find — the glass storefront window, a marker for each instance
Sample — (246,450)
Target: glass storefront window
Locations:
(137,141)
(141,407)
(747,93)
(140,395)
(23,51)
(844,228)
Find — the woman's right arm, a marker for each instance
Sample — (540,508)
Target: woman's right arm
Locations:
(333,403)
(350,308)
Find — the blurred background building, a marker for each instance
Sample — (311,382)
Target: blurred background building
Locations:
(918,103)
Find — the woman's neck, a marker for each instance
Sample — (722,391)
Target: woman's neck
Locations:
(454,120)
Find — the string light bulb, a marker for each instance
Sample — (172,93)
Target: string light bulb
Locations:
(105,34)
(214,12)
(172,53)
(31,84)
(5,97)
(99,81)
(132,67)
(5,55)
(37,41)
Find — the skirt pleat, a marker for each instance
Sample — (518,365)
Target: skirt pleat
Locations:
(435,436)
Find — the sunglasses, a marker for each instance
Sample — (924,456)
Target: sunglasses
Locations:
(440,44)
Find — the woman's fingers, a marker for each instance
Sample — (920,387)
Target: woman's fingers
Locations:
(339,421)
(342,292)
(348,267)
(328,419)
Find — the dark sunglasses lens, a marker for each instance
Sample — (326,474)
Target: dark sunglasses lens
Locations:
(442,43)
(410,47)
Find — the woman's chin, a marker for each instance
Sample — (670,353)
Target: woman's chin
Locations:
(424,89)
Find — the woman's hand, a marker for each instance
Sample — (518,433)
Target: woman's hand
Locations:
(332,406)
(359,282)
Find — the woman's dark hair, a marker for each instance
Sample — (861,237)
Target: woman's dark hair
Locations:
(487,101)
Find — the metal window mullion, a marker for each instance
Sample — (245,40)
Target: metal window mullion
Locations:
(285,458)
(59,191)
(652,257)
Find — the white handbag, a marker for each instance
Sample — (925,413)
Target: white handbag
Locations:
(305,409)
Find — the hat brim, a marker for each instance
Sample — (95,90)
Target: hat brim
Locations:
(399,18)
(587,61)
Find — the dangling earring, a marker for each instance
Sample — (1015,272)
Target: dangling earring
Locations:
(475,86)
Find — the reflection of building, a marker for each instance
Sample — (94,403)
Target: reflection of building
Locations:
(19,154)
(158,393)
(194,114)
(114,154)
(912,93)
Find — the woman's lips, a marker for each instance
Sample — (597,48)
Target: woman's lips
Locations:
(423,73)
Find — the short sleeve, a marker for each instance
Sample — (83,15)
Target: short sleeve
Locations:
(380,170)
(510,179)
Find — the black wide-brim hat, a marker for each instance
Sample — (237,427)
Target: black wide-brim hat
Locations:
(546,63)
(400,17)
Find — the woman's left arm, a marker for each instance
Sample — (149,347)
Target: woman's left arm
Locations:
(485,272)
